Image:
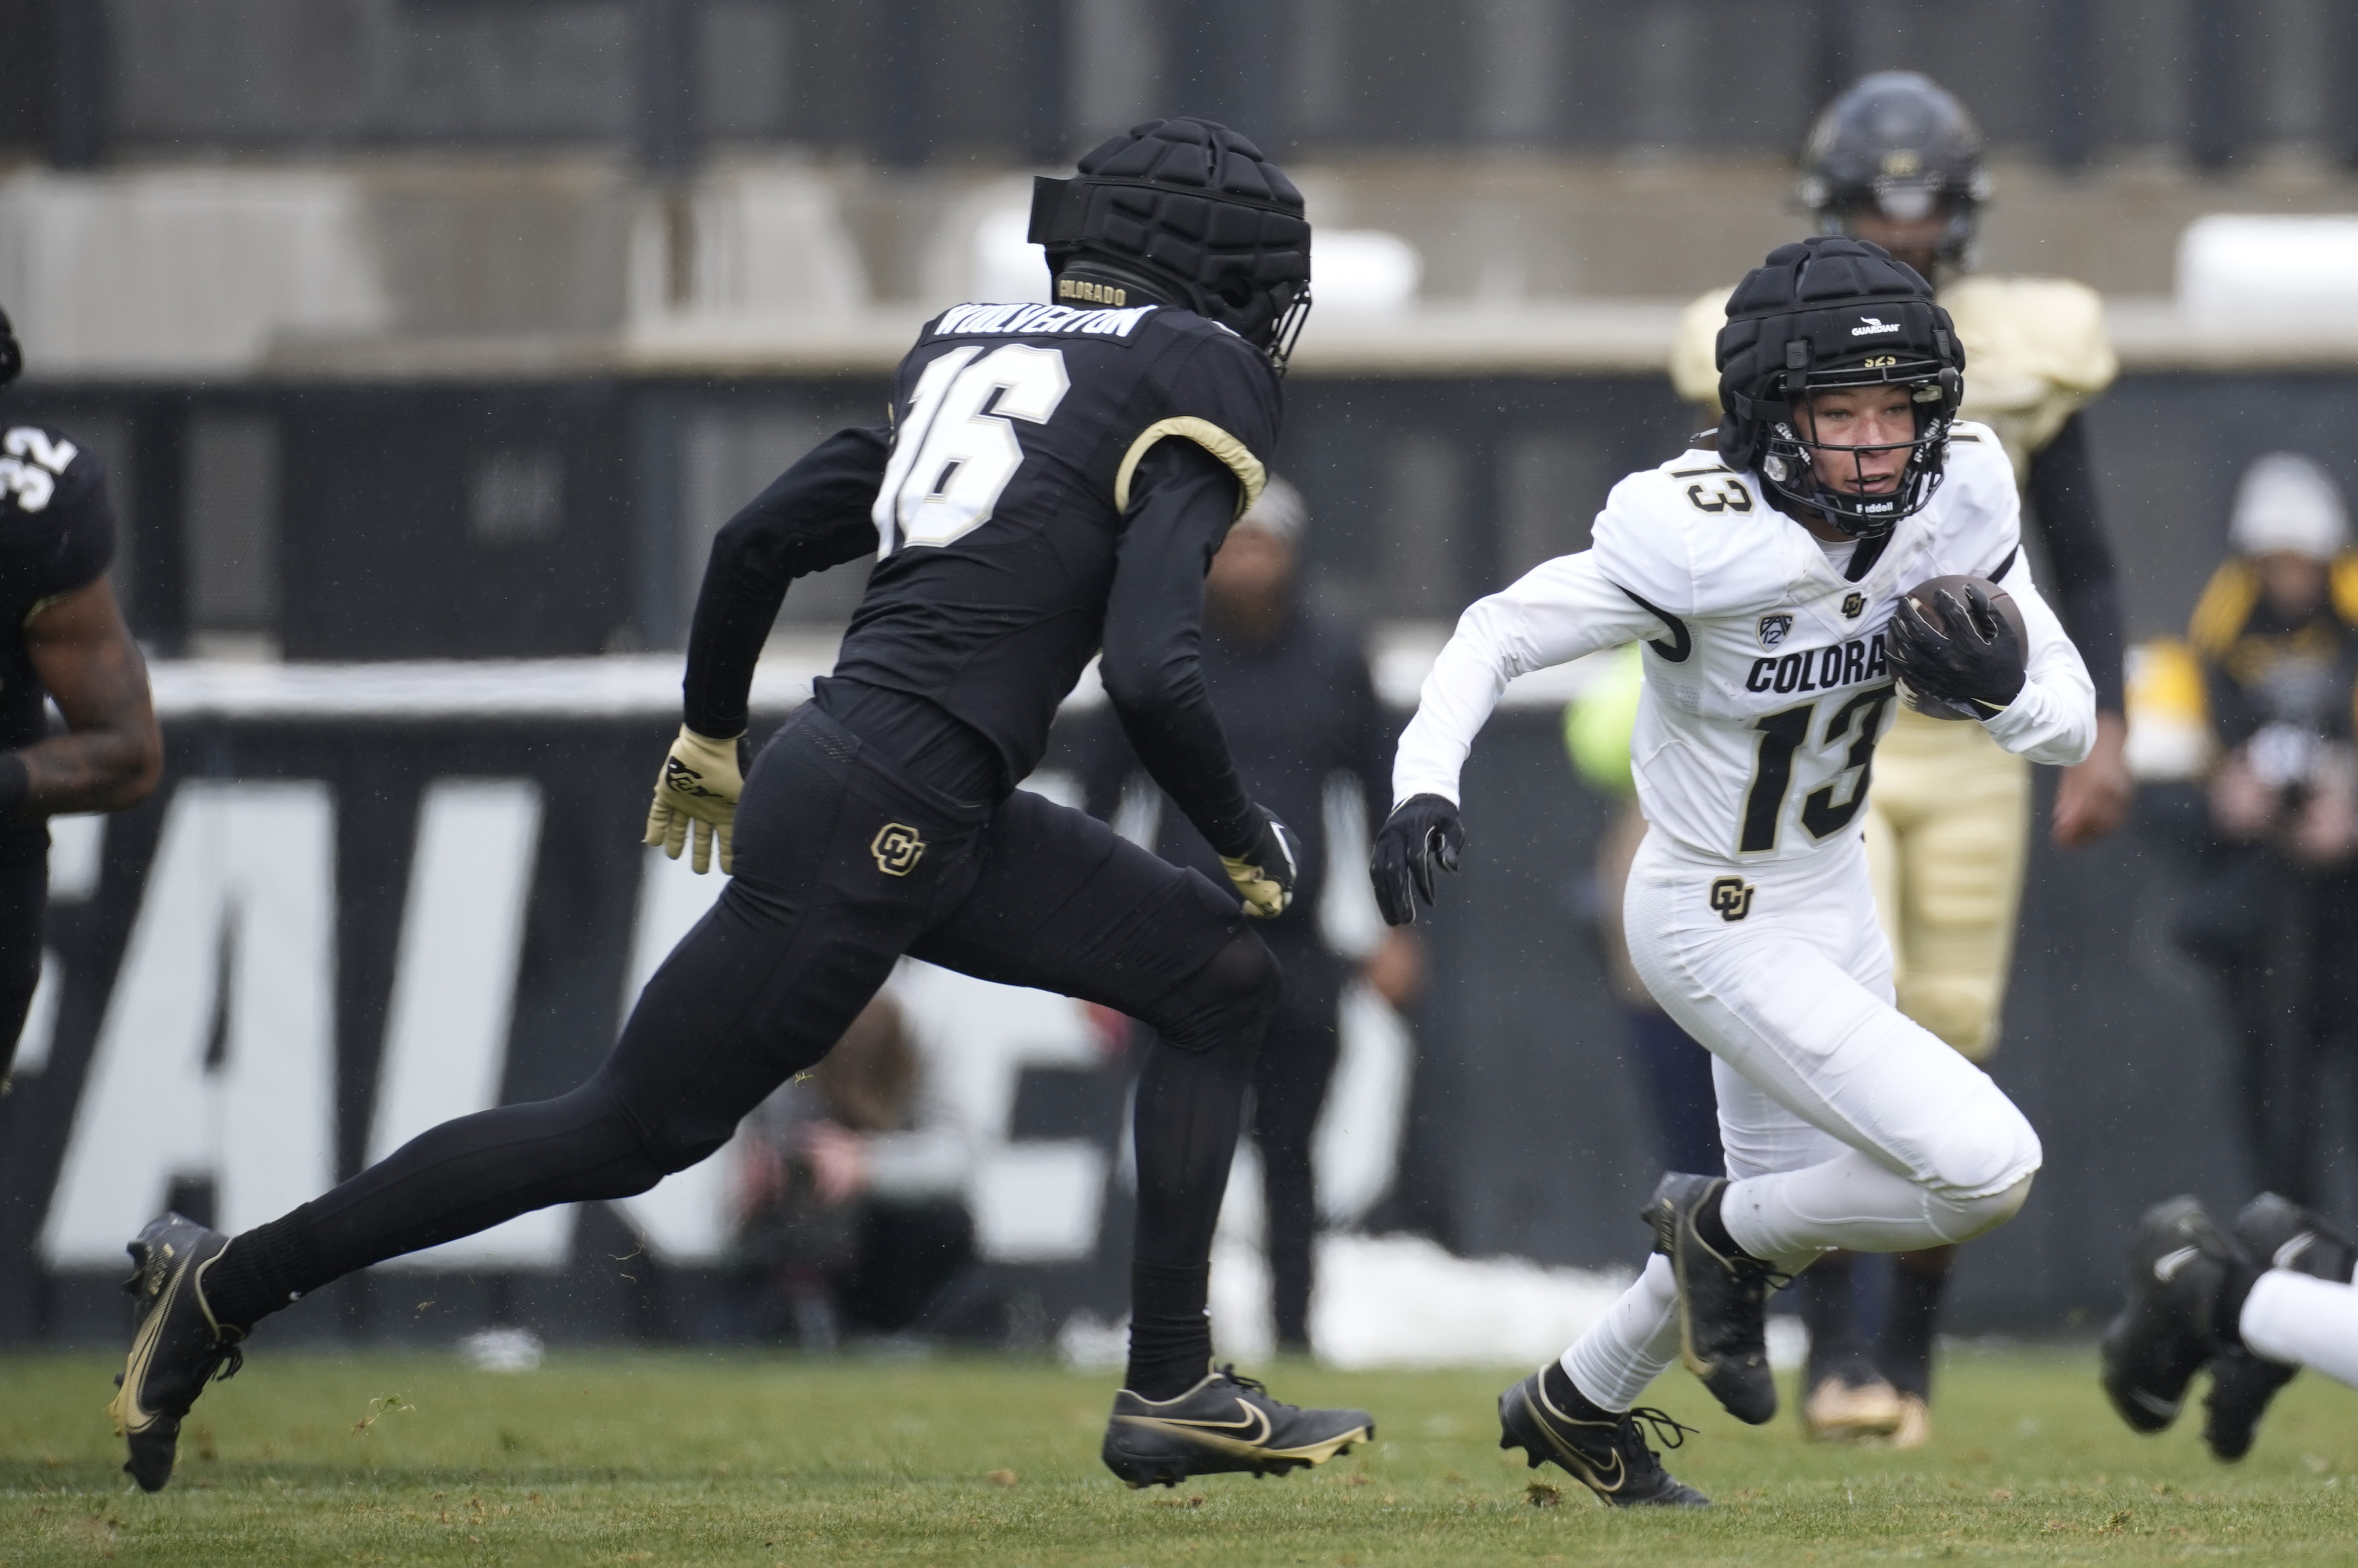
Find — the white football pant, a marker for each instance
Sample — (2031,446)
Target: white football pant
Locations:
(1846,1124)
(2302,1321)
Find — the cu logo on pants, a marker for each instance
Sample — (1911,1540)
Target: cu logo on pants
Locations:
(896,848)
(1731,898)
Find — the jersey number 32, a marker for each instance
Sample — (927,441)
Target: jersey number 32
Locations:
(957,450)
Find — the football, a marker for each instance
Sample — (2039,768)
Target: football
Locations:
(1942,602)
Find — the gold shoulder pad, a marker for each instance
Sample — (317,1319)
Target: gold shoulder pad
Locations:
(2345,588)
(2225,605)
(1694,353)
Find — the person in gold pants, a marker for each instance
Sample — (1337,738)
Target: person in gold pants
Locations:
(1897,160)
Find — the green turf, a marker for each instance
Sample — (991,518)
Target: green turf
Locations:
(682,1457)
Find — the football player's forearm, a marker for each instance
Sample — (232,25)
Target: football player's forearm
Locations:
(104,770)
(812,517)
(2052,720)
(2091,613)
(1183,502)
(1559,611)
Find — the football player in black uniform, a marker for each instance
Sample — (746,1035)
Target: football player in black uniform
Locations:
(64,642)
(1054,481)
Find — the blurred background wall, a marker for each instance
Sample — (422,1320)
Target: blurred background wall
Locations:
(433,329)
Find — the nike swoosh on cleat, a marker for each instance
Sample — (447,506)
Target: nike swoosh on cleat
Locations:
(2289,1253)
(2166,1267)
(2166,1409)
(1254,1429)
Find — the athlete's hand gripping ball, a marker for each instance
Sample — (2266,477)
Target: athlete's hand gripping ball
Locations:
(1957,645)
(701,780)
(1421,832)
(1264,874)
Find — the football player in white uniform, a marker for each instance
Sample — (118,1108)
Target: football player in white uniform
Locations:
(1897,160)
(1767,581)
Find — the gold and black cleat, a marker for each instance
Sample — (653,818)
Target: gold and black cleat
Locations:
(1601,1449)
(1224,1424)
(177,1348)
(1723,1299)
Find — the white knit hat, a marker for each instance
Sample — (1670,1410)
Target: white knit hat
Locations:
(1280,513)
(2286,502)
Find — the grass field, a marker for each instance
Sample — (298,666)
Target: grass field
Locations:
(682,1457)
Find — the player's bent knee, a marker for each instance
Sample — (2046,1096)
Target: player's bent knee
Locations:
(1969,1218)
(1228,999)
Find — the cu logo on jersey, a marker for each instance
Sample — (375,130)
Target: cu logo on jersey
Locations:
(1775,628)
(1731,898)
(1854,606)
(897,849)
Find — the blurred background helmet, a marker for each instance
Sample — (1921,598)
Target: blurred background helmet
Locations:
(1899,145)
(2288,503)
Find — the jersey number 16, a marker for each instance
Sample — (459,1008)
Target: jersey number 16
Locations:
(957,450)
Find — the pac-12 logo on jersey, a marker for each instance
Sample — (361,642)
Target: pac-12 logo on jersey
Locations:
(1774,629)
(1731,898)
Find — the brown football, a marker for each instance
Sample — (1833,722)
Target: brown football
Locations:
(1935,597)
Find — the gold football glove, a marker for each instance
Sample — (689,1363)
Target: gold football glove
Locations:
(699,786)
(1264,875)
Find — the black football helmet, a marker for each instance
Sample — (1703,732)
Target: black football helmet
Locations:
(1899,144)
(1831,311)
(1183,212)
(12,358)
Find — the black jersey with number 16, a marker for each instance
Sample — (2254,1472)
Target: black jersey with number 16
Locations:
(1017,432)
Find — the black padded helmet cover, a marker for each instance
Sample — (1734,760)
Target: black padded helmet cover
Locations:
(1187,205)
(1833,311)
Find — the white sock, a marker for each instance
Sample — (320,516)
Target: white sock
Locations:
(1786,1219)
(1632,1344)
(2303,1322)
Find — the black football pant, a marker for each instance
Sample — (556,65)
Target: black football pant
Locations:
(24,898)
(1289,1079)
(842,864)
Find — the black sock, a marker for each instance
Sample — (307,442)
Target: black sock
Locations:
(1170,1332)
(260,1272)
(1713,1230)
(1906,1354)
(1828,1295)
(1566,1395)
(2227,1312)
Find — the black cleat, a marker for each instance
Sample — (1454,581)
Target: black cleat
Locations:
(2178,1262)
(1723,1326)
(1603,1451)
(178,1347)
(2271,1233)
(1223,1423)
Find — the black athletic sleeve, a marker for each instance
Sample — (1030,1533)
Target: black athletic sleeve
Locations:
(60,521)
(1182,502)
(2063,494)
(812,517)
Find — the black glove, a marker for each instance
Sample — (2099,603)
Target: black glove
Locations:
(1424,829)
(1264,874)
(1974,662)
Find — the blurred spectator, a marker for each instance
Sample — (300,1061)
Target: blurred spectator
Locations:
(1293,692)
(1674,1071)
(2276,633)
(852,1189)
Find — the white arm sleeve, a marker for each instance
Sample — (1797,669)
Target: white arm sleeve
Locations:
(1564,609)
(2053,718)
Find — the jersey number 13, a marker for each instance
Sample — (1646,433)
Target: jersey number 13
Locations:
(957,450)
(1782,734)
